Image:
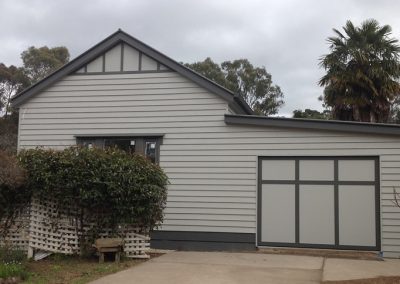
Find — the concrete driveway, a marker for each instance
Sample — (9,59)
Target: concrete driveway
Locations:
(221,268)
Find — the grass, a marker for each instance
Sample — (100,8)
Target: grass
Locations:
(73,269)
(12,263)
(57,268)
(8,270)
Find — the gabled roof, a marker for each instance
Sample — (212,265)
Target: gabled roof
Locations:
(328,125)
(236,103)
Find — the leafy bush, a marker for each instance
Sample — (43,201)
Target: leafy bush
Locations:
(8,270)
(12,263)
(110,187)
(11,255)
(9,132)
(14,196)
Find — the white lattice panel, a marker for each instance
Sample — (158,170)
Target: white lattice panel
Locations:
(18,235)
(50,230)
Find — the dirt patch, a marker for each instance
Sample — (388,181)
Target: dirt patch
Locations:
(379,280)
(363,255)
(73,269)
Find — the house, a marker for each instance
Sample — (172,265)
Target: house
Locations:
(238,181)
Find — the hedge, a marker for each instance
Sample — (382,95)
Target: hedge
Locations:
(14,196)
(109,187)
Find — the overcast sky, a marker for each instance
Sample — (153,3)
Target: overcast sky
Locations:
(287,37)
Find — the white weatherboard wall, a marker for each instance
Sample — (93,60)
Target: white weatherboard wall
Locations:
(212,166)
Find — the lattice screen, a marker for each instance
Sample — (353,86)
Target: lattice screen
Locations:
(50,230)
(18,235)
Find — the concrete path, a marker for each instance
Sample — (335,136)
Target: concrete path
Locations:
(221,268)
(345,269)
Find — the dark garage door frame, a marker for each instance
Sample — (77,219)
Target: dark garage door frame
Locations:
(335,183)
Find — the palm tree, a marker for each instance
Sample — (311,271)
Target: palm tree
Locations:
(363,69)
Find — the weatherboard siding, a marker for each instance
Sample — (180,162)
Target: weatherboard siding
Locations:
(211,166)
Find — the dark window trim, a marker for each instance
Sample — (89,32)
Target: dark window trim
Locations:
(139,141)
(121,135)
(336,184)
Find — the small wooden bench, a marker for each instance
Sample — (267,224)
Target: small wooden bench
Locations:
(113,245)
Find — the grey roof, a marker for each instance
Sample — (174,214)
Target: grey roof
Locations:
(329,125)
(235,101)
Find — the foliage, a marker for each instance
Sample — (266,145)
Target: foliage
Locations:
(14,197)
(12,81)
(74,269)
(108,187)
(253,84)
(8,270)
(396,197)
(9,133)
(12,263)
(11,255)
(310,113)
(40,62)
(363,69)
(394,116)
(37,63)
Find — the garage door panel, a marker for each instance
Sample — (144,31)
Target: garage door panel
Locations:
(278,170)
(316,170)
(317,214)
(278,213)
(357,215)
(356,170)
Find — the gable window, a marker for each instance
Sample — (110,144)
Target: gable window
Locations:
(147,146)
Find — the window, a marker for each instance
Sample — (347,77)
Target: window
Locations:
(128,145)
(150,150)
(147,146)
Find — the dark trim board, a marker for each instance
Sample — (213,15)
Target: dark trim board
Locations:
(313,124)
(202,241)
(123,72)
(335,183)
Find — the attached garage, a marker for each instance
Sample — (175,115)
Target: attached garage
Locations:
(321,202)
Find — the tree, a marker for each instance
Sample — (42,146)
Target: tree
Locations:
(14,196)
(37,64)
(40,62)
(363,69)
(9,133)
(253,84)
(310,113)
(12,80)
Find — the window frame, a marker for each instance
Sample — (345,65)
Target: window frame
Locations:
(140,142)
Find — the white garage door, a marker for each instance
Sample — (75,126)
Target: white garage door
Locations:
(322,202)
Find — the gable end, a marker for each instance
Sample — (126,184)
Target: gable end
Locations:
(236,103)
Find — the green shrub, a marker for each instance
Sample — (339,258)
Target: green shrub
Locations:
(12,263)
(8,270)
(14,196)
(10,255)
(110,187)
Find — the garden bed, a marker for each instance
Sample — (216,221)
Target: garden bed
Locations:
(58,268)
(73,269)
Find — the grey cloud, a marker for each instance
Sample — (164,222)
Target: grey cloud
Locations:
(287,37)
